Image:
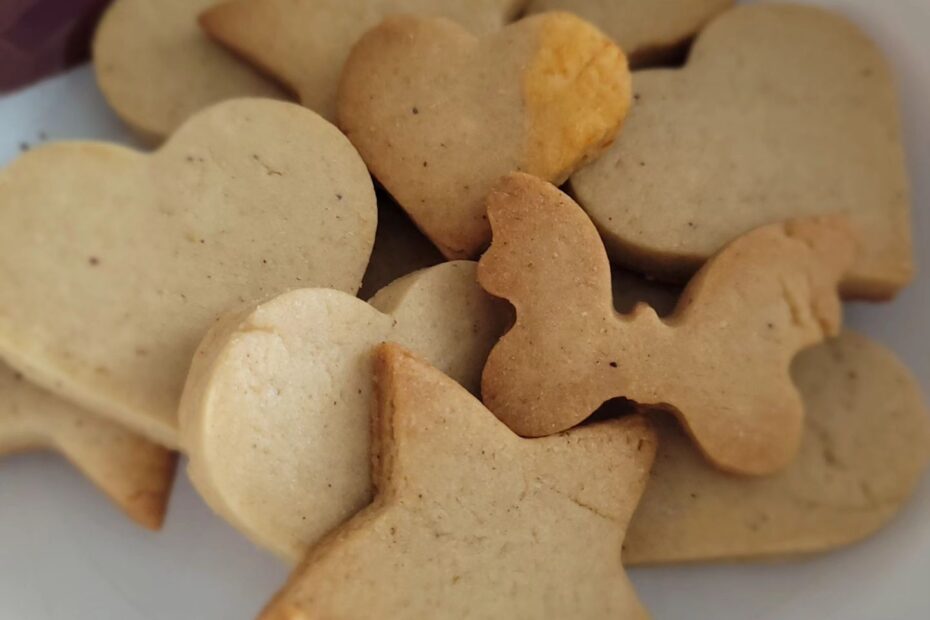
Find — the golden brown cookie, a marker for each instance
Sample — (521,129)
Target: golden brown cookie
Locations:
(471,521)
(647,30)
(135,474)
(276,414)
(865,445)
(305,43)
(439,115)
(782,111)
(157,69)
(720,362)
(114,263)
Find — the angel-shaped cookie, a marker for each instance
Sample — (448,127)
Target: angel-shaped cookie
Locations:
(720,362)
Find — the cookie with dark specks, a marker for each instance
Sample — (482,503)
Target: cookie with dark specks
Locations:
(439,114)
(114,263)
(781,111)
(720,362)
(471,521)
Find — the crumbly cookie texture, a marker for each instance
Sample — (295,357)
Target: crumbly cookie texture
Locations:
(647,30)
(781,112)
(305,43)
(275,417)
(134,473)
(439,114)
(720,362)
(156,68)
(116,262)
(472,521)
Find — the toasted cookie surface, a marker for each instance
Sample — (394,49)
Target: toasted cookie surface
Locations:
(134,473)
(472,521)
(305,43)
(647,30)
(781,111)
(157,69)
(865,444)
(720,361)
(113,264)
(276,413)
(415,99)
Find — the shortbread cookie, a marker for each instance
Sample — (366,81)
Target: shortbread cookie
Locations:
(720,362)
(304,43)
(865,445)
(471,521)
(400,249)
(781,111)
(157,69)
(134,473)
(647,30)
(439,115)
(276,414)
(113,264)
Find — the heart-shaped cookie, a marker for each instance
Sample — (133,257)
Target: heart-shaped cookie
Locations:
(439,115)
(275,415)
(134,473)
(865,444)
(648,31)
(782,111)
(113,263)
(305,43)
(157,69)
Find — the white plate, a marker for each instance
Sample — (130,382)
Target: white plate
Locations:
(66,553)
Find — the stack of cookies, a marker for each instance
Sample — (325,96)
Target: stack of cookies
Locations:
(587,318)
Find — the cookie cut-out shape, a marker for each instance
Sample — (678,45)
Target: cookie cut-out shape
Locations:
(113,263)
(276,414)
(157,69)
(416,101)
(865,444)
(647,30)
(720,361)
(134,473)
(305,43)
(780,112)
(471,521)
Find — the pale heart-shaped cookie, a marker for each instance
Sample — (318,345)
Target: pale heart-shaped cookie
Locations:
(275,416)
(720,362)
(439,115)
(471,521)
(781,111)
(647,30)
(113,263)
(157,69)
(305,43)
(865,444)
(135,474)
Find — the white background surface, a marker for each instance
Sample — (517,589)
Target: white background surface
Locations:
(66,553)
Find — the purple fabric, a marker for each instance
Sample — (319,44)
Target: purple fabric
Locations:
(41,37)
